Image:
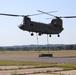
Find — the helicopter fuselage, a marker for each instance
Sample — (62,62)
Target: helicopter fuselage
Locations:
(38,27)
(55,27)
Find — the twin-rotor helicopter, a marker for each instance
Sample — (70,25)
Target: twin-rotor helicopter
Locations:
(54,27)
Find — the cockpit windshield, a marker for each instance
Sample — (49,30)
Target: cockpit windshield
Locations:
(56,21)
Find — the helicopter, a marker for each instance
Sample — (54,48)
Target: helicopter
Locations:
(54,27)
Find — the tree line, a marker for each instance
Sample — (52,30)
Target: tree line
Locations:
(61,47)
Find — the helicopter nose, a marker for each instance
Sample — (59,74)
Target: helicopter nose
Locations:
(21,26)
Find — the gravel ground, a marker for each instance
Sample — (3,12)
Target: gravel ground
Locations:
(23,71)
(71,72)
(32,70)
(43,74)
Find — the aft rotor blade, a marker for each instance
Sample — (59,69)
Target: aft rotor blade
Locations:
(46,13)
(68,17)
(41,13)
(12,15)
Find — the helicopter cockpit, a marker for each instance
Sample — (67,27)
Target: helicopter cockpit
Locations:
(25,22)
(26,19)
(57,23)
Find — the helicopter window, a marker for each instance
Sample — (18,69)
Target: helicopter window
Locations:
(56,22)
(32,25)
(53,21)
(49,28)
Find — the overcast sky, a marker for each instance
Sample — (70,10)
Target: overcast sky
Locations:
(11,35)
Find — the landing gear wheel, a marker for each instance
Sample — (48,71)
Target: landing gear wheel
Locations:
(39,34)
(32,34)
(58,35)
(50,35)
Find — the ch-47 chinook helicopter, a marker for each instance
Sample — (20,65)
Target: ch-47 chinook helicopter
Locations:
(55,27)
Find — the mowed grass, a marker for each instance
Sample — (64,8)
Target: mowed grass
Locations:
(65,66)
(22,63)
(36,53)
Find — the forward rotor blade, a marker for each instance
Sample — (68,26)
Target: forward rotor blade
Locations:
(24,15)
(68,17)
(46,13)
(12,15)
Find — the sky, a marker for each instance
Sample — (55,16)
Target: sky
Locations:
(11,35)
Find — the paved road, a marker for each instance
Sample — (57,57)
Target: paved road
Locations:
(54,59)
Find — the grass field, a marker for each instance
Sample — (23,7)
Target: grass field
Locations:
(39,64)
(67,66)
(57,53)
